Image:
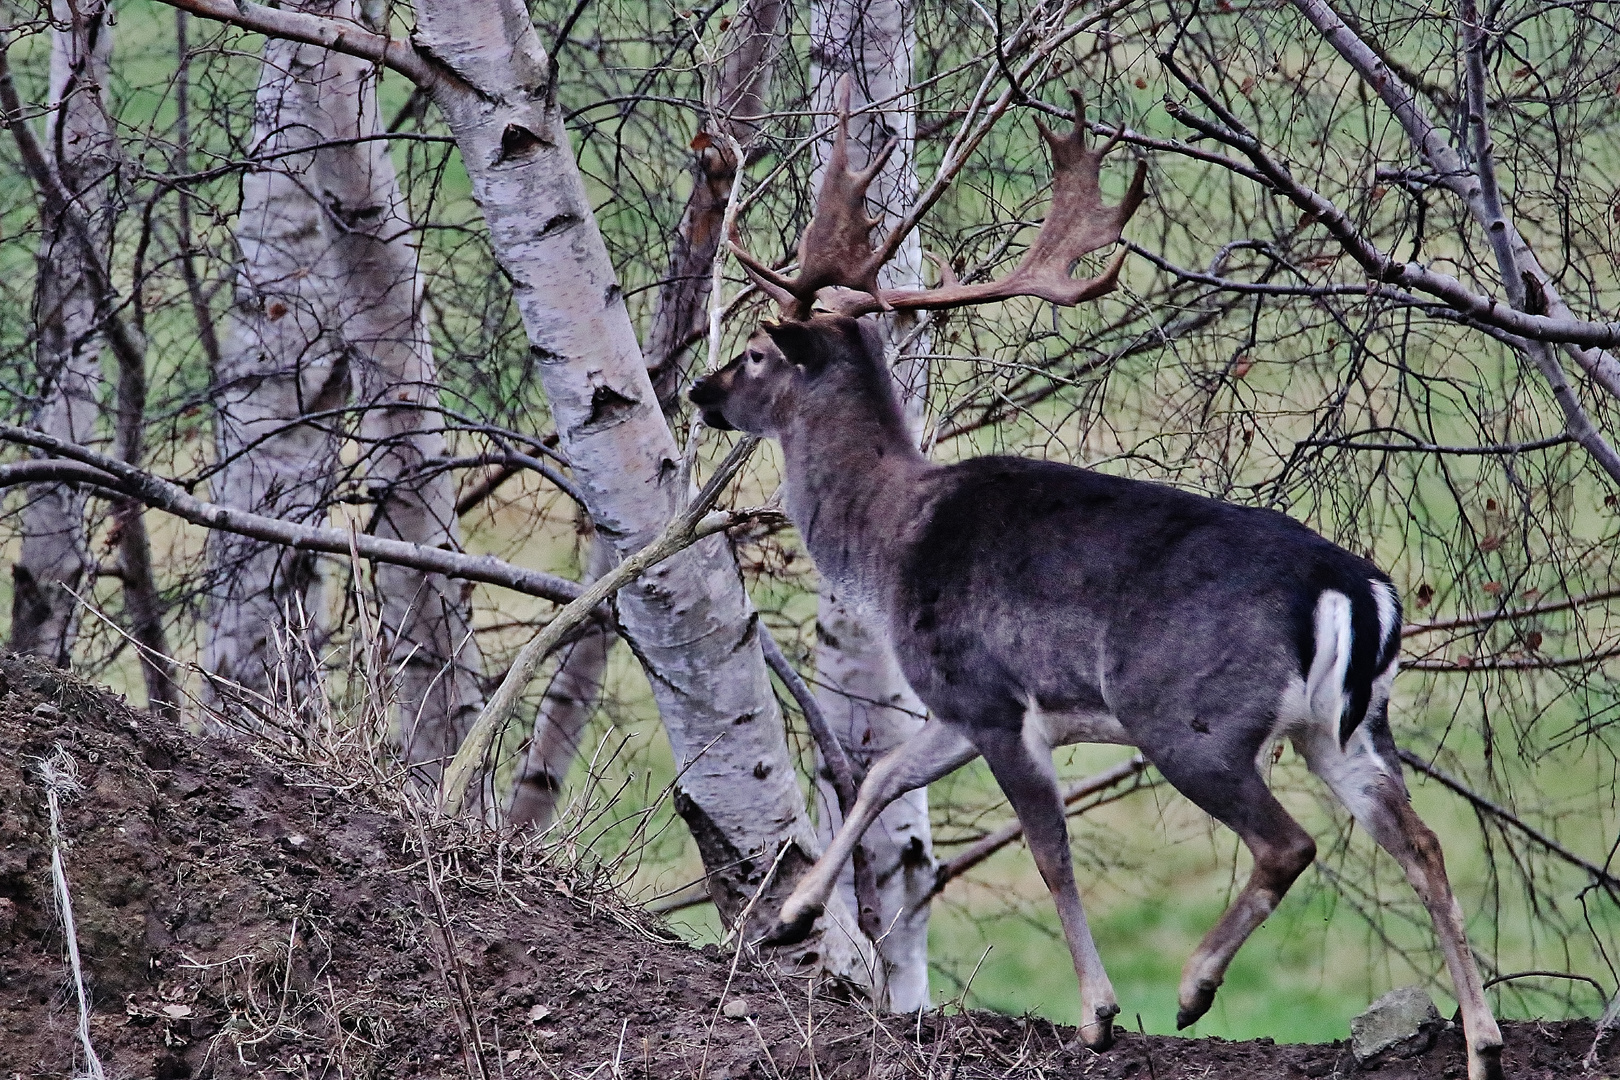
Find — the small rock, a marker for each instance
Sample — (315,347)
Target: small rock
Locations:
(47,712)
(737,1008)
(1404,1018)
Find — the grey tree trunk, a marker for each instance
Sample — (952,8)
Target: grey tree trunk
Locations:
(328,306)
(372,267)
(689,619)
(279,361)
(739,85)
(55,556)
(858,682)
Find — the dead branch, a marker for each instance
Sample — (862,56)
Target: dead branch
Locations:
(1009,833)
(1485,618)
(686,528)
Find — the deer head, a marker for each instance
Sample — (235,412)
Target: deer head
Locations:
(783,373)
(838,264)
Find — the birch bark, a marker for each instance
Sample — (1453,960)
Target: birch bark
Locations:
(55,556)
(689,619)
(858,682)
(739,84)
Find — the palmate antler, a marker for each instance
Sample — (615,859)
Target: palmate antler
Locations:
(836,252)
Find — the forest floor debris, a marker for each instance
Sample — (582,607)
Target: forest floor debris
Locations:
(242,914)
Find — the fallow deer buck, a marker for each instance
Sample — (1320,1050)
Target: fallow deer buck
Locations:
(1034,604)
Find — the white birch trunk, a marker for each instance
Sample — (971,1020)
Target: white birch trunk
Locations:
(55,556)
(858,682)
(330,306)
(739,86)
(279,361)
(689,619)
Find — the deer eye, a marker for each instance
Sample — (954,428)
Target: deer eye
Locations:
(755,358)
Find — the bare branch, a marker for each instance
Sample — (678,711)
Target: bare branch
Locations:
(1485,618)
(1009,833)
(1599,875)
(339,35)
(160,494)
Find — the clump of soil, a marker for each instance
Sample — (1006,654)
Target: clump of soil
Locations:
(241,914)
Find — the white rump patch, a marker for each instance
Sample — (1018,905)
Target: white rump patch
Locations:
(1388,607)
(1324,686)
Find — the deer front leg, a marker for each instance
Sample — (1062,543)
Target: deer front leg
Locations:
(1021,762)
(938,749)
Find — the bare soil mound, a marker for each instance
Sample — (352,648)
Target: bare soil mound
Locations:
(242,915)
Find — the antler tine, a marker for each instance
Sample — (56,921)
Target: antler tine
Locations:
(836,247)
(1077,222)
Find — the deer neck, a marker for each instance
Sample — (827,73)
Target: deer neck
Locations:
(851,482)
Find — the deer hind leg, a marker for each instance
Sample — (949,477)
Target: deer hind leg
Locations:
(1022,764)
(1365,776)
(1239,799)
(938,749)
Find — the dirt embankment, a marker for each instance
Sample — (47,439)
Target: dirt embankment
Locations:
(241,915)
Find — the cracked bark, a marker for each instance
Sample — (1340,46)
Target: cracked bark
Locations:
(859,686)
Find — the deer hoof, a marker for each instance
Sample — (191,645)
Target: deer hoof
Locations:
(1485,1063)
(1099,1034)
(792,931)
(1203,997)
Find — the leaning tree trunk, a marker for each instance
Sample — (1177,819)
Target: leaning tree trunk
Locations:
(566,707)
(858,682)
(689,619)
(372,267)
(280,361)
(55,557)
(739,85)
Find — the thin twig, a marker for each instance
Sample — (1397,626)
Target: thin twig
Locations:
(1599,875)
(984,848)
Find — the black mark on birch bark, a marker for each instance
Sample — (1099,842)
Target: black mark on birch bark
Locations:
(520,143)
(608,407)
(557,223)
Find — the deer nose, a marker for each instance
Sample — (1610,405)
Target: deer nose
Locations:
(704,392)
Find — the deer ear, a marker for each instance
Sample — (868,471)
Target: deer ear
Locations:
(800,342)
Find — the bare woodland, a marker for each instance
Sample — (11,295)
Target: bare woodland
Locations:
(344,346)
